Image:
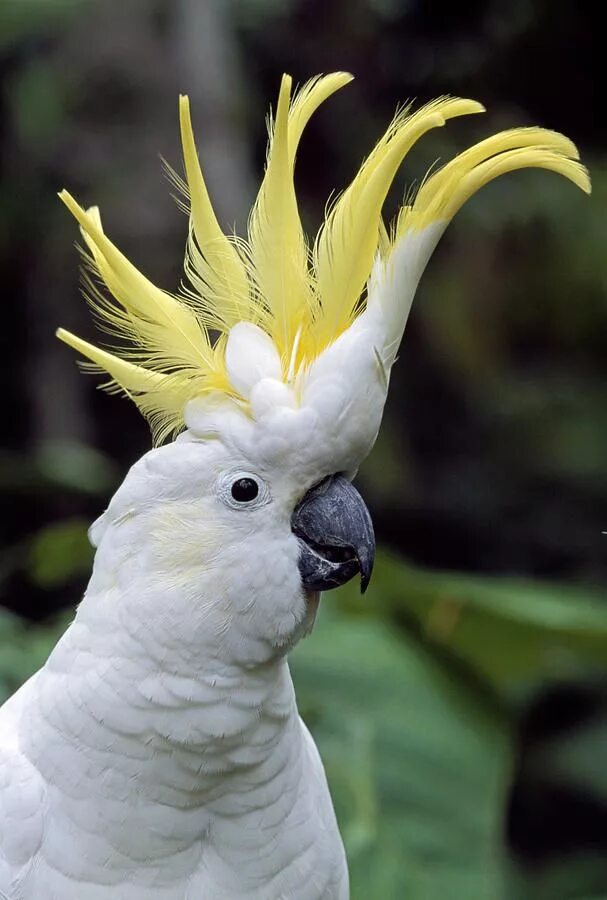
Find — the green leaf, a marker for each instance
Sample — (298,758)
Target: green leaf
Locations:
(60,553)
(24,648)
(58,465)
(507,630)
(77,467)
(417,761)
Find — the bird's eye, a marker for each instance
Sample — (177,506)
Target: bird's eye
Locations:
(244,490)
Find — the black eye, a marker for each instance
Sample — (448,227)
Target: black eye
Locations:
(244,490)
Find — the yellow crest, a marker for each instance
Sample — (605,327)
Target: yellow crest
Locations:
(302,296)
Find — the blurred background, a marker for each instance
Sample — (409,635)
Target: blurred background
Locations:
(461,706)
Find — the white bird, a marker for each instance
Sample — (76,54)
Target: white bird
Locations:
(159,752)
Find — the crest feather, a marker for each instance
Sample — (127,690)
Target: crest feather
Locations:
(446,191)
(278,247)
(212,262)
(348,241)
(302,299)
(155,320)
(161,398)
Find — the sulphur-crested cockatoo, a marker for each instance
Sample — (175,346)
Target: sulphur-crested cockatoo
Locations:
(159,752)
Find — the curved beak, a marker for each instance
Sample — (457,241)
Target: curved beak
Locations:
(335,535)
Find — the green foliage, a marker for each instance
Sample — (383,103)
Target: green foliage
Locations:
(21,18)
(58,466)
(511,632)
(23,649)
(417,759)
(418,723)
(77,467)
(59,553)
(56,554)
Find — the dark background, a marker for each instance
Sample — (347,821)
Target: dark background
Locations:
(492,458)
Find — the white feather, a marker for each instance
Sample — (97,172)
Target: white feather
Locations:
(393,284)
(250,356)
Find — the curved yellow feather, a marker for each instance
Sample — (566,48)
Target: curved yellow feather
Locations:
(445,192)
(307,100)
(212,261)
(278,247)
(132,378)
(161,398)
(348,240)
(157,320)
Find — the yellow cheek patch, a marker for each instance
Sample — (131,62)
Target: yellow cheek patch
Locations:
(184,539)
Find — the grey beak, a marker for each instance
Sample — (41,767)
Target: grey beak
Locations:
(335,534)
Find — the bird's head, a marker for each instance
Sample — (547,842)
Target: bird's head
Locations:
(272,364)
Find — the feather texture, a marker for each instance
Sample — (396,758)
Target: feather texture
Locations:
(302,298)
(212,261)
(348,240)
(278,248)
(446,191)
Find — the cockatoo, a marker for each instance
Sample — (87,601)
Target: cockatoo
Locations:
(159,752)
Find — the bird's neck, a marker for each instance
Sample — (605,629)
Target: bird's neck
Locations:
(144,741)
(108,695)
